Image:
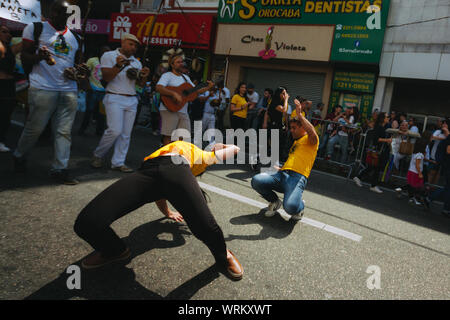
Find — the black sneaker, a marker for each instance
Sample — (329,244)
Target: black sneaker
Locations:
(20,165)
(446,213)
(63,177)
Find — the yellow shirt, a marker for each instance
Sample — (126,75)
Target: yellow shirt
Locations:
(302,156)
(239,102)
(294,114)
(196,157)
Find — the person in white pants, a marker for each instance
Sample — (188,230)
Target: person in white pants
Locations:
(209,112)
(120,101)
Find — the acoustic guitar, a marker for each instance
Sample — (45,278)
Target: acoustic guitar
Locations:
(187,92)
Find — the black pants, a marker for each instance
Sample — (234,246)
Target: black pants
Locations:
(7,104)
(157,179)
(238,123)
(374,171)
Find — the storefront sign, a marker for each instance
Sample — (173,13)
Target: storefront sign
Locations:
(354,81)
(97,26)
(360,24)
(275,41)
(193,31)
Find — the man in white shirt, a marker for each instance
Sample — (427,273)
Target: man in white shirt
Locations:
(225,97)
(171,121)
(209,112)
(121,70)
(438,136)
(252,114)
(51,93)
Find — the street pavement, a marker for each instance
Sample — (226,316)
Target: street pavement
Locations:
(349,237)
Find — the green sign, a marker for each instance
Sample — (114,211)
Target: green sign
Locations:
(366,106)
(334,100)
(359,25)
(354,81)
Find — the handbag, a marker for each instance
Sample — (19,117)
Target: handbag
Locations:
(372,158)
(406,148)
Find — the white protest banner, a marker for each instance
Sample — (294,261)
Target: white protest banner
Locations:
(23,11)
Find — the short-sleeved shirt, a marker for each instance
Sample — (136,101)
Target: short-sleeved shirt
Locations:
(121,83)
(253,98)
(170,79)
(208,107)
(239,101)
(412,164)
(439,134)
(96,74)
(63,46)
(197,158)
(302,156)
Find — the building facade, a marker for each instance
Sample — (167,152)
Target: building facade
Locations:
(415,63)
(326,51)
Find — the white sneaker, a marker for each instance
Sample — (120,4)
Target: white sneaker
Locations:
(4,148)
(376,189)
(272,208)
(285,216)
(299,216)
(357,181)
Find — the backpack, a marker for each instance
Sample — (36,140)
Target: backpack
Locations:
(37,31)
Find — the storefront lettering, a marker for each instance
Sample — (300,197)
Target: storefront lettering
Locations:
(358,6)
(284,46)
(291,9)
(249,9)
(250,39)
(160,29)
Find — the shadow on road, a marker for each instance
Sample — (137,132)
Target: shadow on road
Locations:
(274,227)
(118,282)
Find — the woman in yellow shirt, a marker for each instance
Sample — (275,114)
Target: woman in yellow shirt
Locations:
(239,107)
(168,173)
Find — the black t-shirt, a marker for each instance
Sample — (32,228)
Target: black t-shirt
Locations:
(276,117)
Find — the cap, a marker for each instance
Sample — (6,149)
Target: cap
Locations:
(129,36)
(250,86)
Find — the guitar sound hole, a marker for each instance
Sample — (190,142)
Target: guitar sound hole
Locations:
(185,92)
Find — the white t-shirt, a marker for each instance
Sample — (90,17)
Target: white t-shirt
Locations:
(170,79)
(439,134)
(254,98)
(47,77)
(412,164)
(208,108)
(120,84)
(227,93)
(351,121)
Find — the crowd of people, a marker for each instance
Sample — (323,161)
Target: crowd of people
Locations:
(51,54)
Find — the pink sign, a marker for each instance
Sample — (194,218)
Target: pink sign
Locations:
(98,26)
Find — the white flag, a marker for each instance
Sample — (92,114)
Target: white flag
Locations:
(22,11)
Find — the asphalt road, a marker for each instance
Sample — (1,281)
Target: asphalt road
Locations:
(347,231)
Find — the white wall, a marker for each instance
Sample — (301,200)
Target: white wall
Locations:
(417,50)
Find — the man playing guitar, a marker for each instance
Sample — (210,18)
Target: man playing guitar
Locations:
(171,121)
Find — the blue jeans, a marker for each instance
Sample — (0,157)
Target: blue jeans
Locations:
(93,98)
(62,108)
(290,183)
(343,142)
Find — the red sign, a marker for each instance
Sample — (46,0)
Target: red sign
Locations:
(169,30)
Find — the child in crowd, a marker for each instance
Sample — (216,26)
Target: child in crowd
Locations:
(415,177)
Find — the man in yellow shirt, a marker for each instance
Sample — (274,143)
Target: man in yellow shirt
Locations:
(292,178)
(168,173)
